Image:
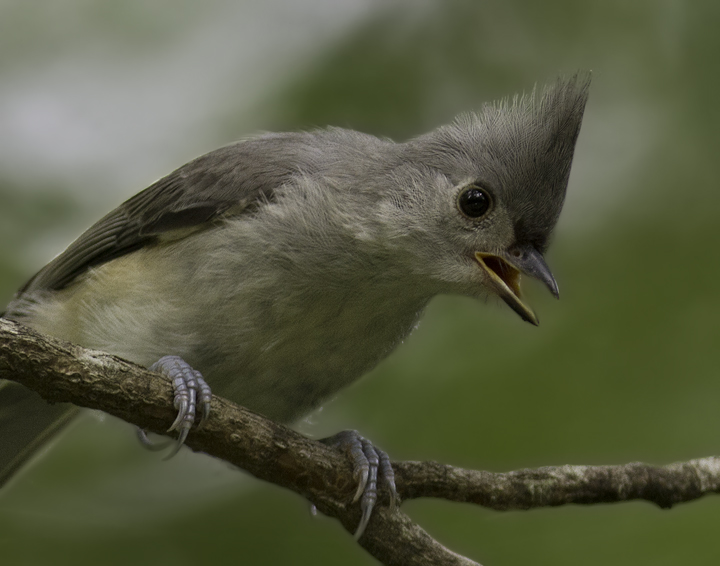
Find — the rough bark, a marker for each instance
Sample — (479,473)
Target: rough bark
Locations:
(63,372)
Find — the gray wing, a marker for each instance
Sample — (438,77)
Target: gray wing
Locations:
(236,178)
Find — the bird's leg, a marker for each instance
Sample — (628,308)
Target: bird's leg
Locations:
(191,391)
(368,462)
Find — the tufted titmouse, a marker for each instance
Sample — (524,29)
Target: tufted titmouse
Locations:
(282,268)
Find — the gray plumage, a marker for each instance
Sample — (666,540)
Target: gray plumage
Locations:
(286,266)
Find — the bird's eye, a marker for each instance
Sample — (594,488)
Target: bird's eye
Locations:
(473,201)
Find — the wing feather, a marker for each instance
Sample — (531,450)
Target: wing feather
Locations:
(241,177)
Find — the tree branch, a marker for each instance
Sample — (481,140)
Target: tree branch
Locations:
(63,372)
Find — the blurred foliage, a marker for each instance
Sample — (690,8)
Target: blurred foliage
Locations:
(622,369)
(24,218)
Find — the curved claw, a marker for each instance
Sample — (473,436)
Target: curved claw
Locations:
(368,462)
(361,475)
(149,444)
(369,496)
(367,509)
(190,390)
(178,443)
(182,412)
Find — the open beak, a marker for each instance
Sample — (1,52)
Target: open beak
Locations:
(505,271)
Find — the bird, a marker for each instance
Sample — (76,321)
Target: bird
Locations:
(279,269)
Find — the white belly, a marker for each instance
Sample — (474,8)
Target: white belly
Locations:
(277,346)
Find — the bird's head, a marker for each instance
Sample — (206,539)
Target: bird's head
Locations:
(483,194)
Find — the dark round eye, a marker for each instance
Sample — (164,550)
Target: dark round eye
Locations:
(473,201)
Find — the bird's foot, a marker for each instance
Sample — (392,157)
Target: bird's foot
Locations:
(191,392)
(368,462)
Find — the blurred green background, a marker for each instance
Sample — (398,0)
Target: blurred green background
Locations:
(98,99)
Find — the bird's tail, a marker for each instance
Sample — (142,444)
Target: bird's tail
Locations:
(26,424)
